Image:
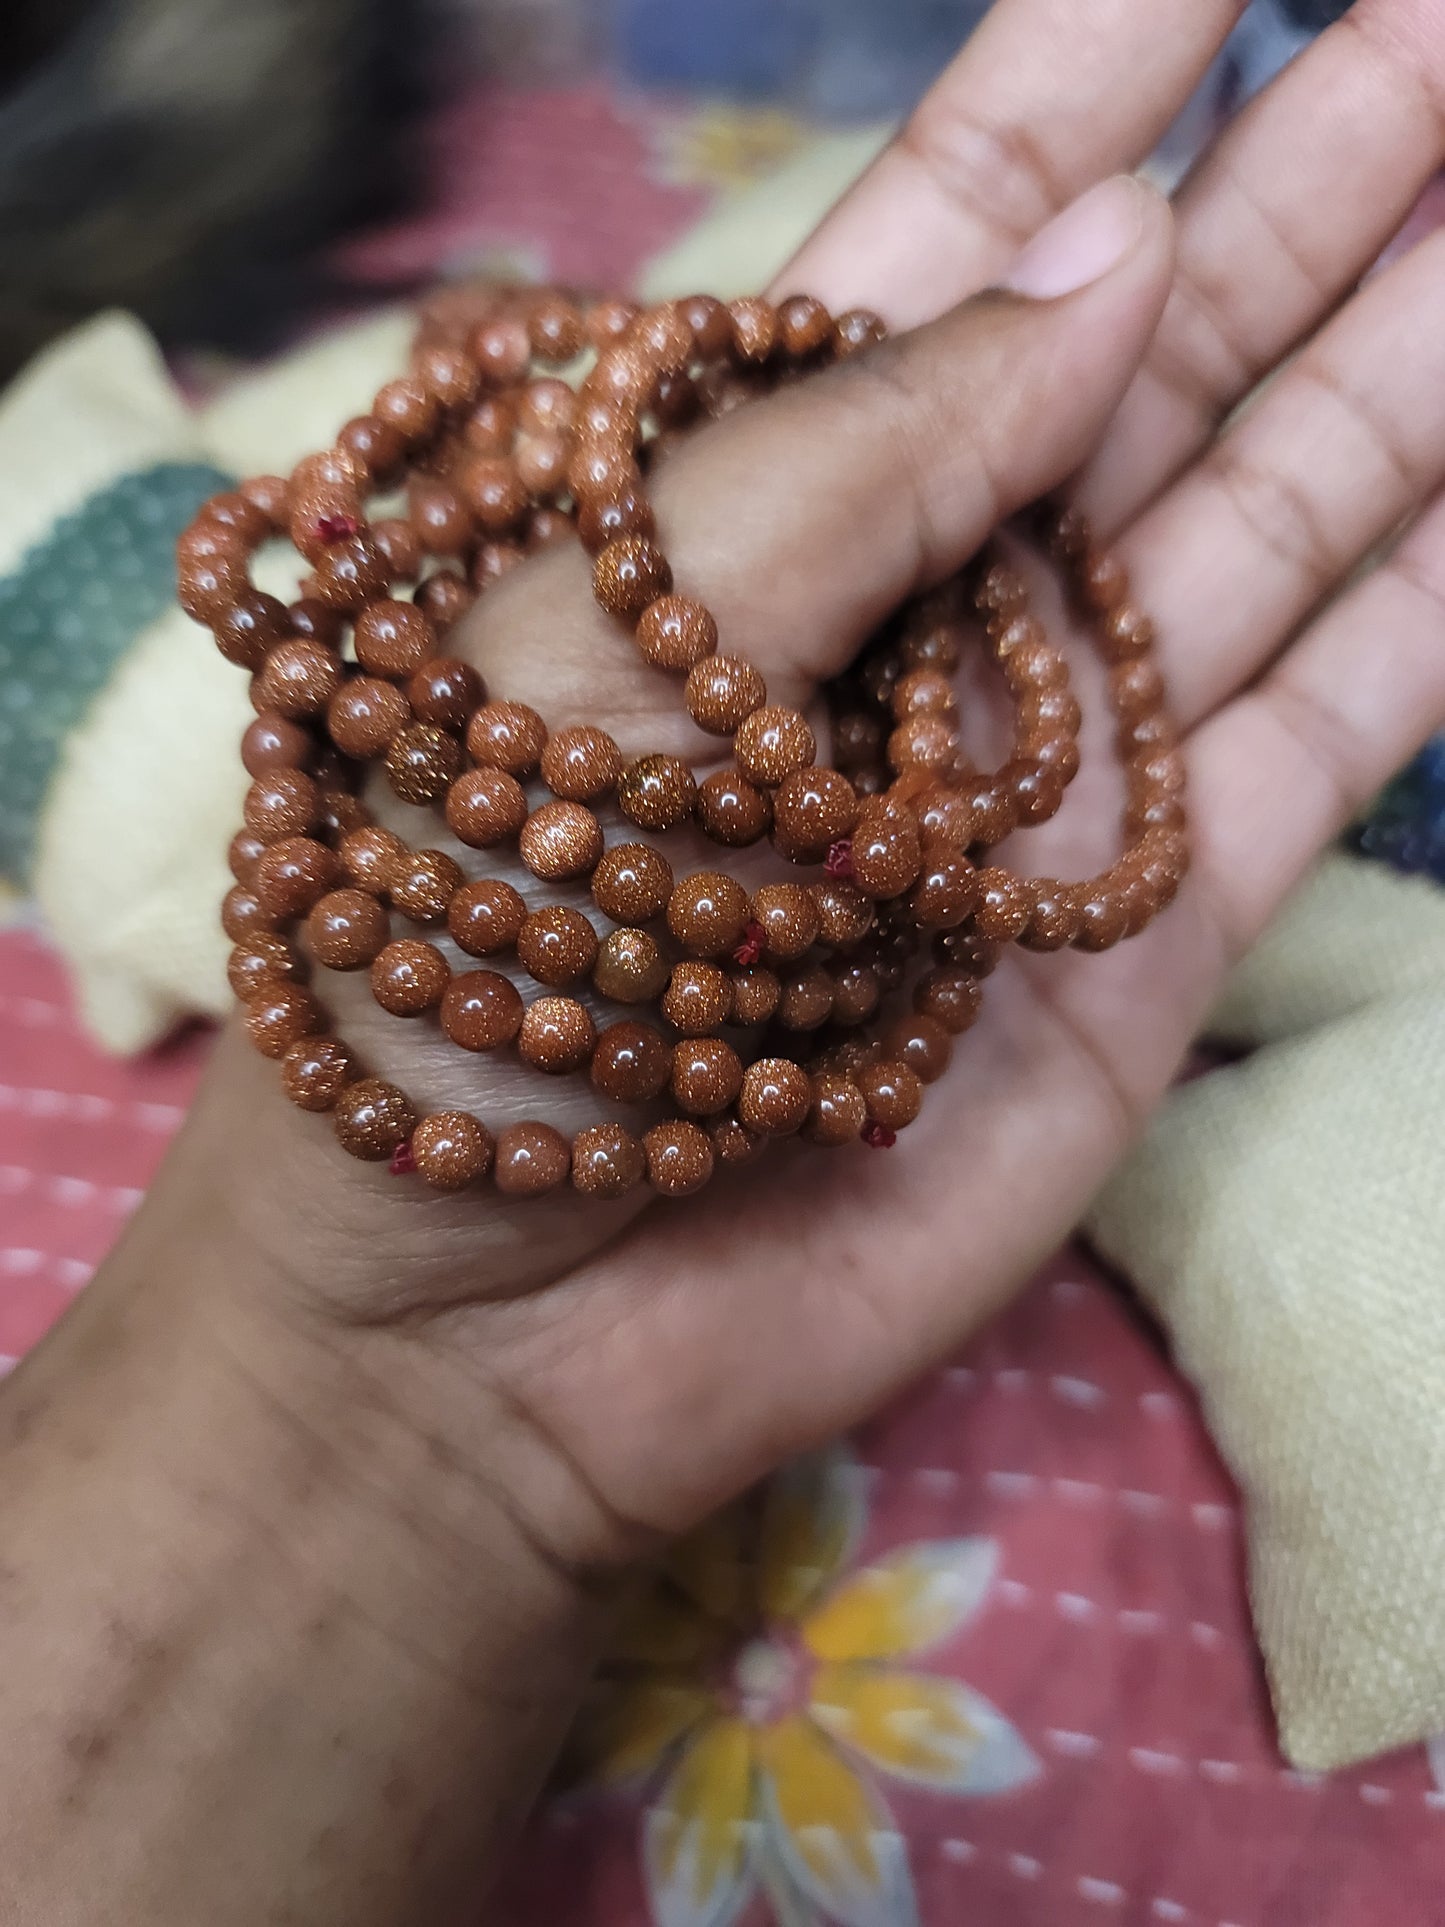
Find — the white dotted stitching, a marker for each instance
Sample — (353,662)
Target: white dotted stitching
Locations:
(1104,1891)
(88,1107)
(1161,1404)
(1074,1746)
(1084,1611)
(1077,1391)
(1073,1605)
(1136,1619)
(33,1012)
(22,1261)
(66,1191)
(1209,1515)
(935,1478)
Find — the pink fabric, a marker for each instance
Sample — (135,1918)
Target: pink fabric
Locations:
(1113,1636)
(565,179)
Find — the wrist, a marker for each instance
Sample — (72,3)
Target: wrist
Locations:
(382,1451)
(238,1539)
(401,1311)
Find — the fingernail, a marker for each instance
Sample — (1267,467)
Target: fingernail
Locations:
(1079,246)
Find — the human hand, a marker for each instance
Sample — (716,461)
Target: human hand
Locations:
(783,1304)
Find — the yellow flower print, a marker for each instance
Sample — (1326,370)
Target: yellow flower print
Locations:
(722,145)
(760,1687)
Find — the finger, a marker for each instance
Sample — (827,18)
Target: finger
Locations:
(874,1272)
(1287,765)
(1034,109)
(1347,443)
(1282,215)
(801,520)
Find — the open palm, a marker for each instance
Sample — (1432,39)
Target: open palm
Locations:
(669,1358)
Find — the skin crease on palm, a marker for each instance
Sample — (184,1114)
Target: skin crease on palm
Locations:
(667,1357)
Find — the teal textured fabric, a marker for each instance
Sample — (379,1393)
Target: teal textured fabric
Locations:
(68,612)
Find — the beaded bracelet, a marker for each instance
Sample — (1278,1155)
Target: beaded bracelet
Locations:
(776,1006)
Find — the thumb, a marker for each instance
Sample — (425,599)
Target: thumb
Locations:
(804,518)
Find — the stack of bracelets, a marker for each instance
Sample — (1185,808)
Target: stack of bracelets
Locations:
(774,1003)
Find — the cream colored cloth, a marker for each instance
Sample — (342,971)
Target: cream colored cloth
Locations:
(131,851)
(1286,1218)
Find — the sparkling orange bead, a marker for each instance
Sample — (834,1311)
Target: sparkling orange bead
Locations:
(486,916)
(452,1149)
(315,1071)
(346,929)
(482,1010)
(657,792)
(732,810)
(607,1161)
(298,678)
(485,807)
(886,857)
(261,962)
(393,639)
(674,632)
(812,809)
(421,762)
(409,976)
(732,1142)
(281,802)
(557,1035)
(279,1016)
(630,968)
(423,884)
(756,993)
(706,1075)
(845,914)
(838,1111)
(776,1096)
(1004,905)
(632,883)
(364,715)
(557,945)
(292,875)
(806,998)
(372,1118)
(922,1044)
(581,764)
(631,1062)
(721,692)
(628,574)
(774,742)
(698,998)
(951,996)
(561,840)
(507,736)
(445,691)
(679,1158)
(892,1092)
(789,918)
(368,855)
(707,913)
